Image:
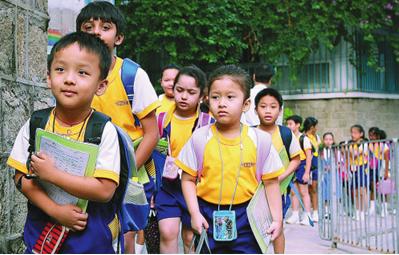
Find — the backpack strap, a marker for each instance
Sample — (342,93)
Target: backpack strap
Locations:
(37,120)
(286,136)
(161,122)
(301,143)
(95,127)
(262,150)
(128,75)
(199,142)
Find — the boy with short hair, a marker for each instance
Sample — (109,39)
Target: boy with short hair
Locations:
(268,105)
(77,69)
(168,77)
(136,116)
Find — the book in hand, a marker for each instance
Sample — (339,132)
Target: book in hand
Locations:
(260,217)
(74,157)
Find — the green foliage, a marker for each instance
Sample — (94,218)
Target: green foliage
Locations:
(287,113)
(223,31)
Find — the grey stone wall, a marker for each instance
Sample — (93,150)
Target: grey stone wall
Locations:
(338,115)
(23,40)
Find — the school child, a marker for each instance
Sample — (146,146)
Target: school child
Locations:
(168,77)
(358,160)
(222,157)
(326,161)
(130,100)
(294,123)
(178,124)
(262,77)
(268,105)
(77,69)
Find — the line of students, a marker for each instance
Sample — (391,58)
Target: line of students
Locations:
(85,74)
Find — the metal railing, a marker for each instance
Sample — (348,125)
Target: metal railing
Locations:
(358,195)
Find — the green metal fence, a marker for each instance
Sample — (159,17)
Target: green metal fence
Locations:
(343,69)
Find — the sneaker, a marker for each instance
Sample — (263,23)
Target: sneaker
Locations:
(293,219)
(315,216)
(305,221)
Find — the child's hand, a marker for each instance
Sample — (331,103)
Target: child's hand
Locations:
(198,222)
(71,216)
(275,229)
(43,166)
(306,177)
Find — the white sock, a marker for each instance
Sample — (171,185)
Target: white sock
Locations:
(295,213)
(138,248)
(372,204)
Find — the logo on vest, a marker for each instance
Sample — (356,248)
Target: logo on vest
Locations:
(122,102)
(248,164)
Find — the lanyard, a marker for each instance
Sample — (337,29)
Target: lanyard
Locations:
(81,129)
(238,171)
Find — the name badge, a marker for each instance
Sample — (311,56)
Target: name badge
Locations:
(224,225)
(170,170)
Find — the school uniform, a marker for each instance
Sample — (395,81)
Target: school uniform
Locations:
(102,224)
(169,200)
(358,159)
(310,142)
(294,150)
(221,151)
(115,103)
(165,104)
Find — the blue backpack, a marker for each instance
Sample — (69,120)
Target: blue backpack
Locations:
(93,133)
(128,75)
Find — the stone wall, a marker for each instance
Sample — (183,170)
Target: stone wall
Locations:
(23,40)
(338,115)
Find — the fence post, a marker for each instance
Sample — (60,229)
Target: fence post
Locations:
(333,194)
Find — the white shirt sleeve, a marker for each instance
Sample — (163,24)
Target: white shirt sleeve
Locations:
(108,159)
(295,148)
(19,153)
(144,95)
(307,145)
(273,166)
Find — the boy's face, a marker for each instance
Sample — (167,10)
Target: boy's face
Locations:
(268,110)
(74,77)
(292,125)
(328,141)
(226,101)
(106,30)
(167,81)
(187,94)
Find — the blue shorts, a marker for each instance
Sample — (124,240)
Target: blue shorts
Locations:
(360,177)
(170,203)
(301,170)
(374,176)
(245,242)
(149,188)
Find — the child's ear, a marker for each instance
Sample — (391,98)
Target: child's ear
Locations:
(102,87)
(119,39)
(246,105)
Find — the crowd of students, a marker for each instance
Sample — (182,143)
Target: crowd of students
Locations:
(214,129)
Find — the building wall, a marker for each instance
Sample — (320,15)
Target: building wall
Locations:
(23,40)
(339,114)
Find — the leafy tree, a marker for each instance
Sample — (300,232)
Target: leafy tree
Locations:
(222,31)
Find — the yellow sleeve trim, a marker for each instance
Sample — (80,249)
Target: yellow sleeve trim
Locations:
(185,168)
(273,174)
(147,110)
(107,174)
(17,165)
(298,153)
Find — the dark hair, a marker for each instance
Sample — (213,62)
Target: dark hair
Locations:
(269,92)
(264,73)
(89,42)
(374,130)
(382,134)
(328,133)
(309,123)
(196,73)
(295,118)
(235,73)
(101,10)
(170,66)
(360,129)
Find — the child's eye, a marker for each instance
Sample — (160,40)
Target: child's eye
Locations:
(82,72)
(230,97)
(59,69)
(215,97)
(87,27)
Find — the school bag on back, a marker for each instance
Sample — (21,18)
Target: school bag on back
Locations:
(93,133)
